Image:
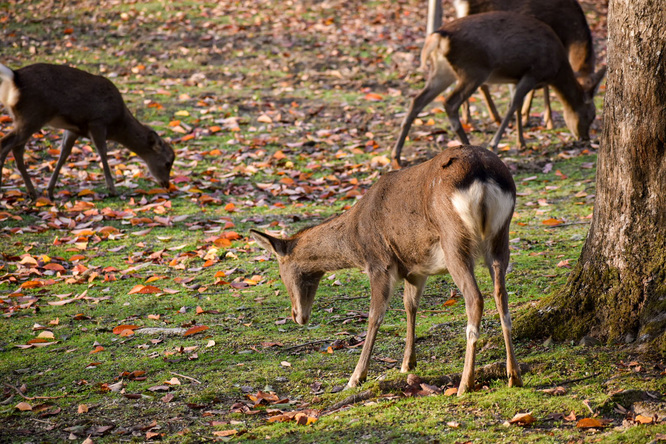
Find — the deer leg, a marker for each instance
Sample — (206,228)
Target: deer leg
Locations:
(519,126)
(19,150)
(381,284)
(523,87)
(527,104)
(497,266)
(462,273)
(437,82)
(98,135)
(492,109)
(466,113)
(66,145)
(547,112)
(6,145)
(461,92)
(15,142)
(413,290)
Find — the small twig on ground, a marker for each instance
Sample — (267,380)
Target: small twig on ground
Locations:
(349,400)
(31,398)
(571,381)
(186,377)
(421,311)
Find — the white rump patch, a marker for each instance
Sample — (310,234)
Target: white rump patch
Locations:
(483,207)
(462,8)
(9,93)
(472,333)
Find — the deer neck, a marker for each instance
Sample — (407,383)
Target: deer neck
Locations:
(130,133)
(326,247)
(568,89)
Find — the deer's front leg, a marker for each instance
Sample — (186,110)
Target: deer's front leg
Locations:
(413,290)
(98,135)
(381,284)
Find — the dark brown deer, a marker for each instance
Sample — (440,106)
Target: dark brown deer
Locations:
(499,47)
(566,19)
(432,218)
(82,104)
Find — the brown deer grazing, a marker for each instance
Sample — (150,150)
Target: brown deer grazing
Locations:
(82,104)
(432,218)
(499,47)
(566,19)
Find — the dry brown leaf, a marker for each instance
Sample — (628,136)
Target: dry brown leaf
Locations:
(121,328)
(23,406)
(195,330)
(451,391)
(588,423)
(643,419)
(225,432)
(522,419)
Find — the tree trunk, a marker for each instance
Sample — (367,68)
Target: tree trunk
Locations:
(617,291)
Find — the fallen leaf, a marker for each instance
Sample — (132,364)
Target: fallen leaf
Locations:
(23,406)
(643,419)
(451,391)
(195,330)
(121,328)
(225,432)
(588,423)
(522,419)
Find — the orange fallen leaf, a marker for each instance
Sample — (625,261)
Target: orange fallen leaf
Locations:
(195,330)
(552,222)
(522,419)
(119,329)
(451,391)
(373,97)
(225,432)
(643,419)
(589,423)
(23,406)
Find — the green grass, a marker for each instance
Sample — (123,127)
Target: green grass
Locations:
(325,140)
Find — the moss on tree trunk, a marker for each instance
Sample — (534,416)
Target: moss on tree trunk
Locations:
(617,292)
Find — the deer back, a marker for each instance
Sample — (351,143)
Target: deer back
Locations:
(502,47)
(66,97)
(409,221)
(565,17)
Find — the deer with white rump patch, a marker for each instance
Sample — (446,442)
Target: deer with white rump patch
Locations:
(499,47)
(82,104)
(432,218)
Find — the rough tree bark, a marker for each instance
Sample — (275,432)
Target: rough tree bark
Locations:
(617,292)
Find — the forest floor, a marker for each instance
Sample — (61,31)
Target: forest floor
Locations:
(153,316)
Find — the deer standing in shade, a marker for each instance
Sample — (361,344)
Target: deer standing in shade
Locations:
(82,104)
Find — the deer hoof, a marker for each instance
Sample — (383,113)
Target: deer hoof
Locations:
(515,381)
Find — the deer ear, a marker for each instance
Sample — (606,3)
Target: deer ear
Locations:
(270,243)
(595,80)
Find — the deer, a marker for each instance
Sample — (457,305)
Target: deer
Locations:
(565,17)
(433,218)
(499,47)
(82,104)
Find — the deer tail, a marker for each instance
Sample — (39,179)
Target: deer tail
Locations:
(6,74)
(435,46)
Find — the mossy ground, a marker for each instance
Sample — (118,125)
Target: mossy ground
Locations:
(292,113)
